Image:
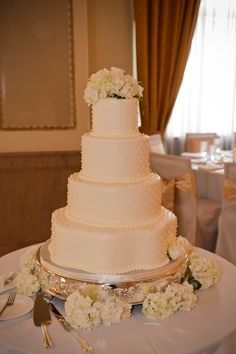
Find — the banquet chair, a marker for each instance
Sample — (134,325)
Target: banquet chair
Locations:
(178,190)
(156,144)
(197,217)
(193,140)
(226,241)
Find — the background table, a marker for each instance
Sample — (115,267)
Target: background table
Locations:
(209,177)
(209,183)
(209,328)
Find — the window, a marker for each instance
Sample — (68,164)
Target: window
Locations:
(207,97)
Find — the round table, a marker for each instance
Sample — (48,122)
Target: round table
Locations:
(209,328)
(209,183)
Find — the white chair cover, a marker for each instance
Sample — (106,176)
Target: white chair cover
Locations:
(197,217)
(156,144)
(208,212)
(193,140)
(171,167)
(226,241)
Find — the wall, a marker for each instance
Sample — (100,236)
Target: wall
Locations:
(32,186)
(35,165)
(102,38)
(110,34)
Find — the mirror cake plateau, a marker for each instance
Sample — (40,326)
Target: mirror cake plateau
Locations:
(62,281)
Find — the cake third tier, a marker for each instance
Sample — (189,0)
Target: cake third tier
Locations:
(114,204)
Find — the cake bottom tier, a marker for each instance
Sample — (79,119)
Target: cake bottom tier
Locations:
(110,250)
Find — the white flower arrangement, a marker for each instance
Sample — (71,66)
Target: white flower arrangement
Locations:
(168,299)
(111,83)
(27,284)
(29,281)
(91,306)
(203,270)
(198,272)
(27,261)
(180,247)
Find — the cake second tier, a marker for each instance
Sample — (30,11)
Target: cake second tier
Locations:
(120,159)
(114,204)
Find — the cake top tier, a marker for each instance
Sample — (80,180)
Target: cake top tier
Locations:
(111,83)
(115,118)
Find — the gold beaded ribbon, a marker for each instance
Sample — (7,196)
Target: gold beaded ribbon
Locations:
(229,189)
(185,183)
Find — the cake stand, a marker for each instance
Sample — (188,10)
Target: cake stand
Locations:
(61,281)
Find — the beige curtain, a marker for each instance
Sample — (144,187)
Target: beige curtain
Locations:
(164,30)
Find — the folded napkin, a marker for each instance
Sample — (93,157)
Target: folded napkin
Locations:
(9,286)
(210,167)
(198,161)
(193,155)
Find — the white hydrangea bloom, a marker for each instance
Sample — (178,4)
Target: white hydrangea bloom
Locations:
(90,95)
(42,278)
(189,299)
(90,306)
(206,271)
(81,311)
(27,261)
(157,306)
(111,83)
(179,248)
(169,299)
(114,310)
(27,284)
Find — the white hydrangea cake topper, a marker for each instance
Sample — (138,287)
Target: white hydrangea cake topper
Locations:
(111,83)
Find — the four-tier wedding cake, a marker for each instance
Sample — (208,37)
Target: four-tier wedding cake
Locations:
(113,221)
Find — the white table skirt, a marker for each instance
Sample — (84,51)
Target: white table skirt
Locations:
(209,184)
(207,329)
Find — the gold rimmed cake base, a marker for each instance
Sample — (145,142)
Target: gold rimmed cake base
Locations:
(61,281)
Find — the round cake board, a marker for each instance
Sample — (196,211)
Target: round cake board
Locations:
(62,281)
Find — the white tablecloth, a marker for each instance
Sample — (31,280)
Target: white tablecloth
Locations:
(209,328)
(209,177)
(209,183)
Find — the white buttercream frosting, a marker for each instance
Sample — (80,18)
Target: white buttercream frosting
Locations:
(119,159)
(111,250)
(114,204)
(115,117)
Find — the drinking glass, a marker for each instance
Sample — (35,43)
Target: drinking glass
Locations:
(204,149)
(212,153)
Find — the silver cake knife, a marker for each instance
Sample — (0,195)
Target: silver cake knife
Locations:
(86,347)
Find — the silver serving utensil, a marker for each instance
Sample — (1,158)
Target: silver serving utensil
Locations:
(42,318)
(85,346)
(10,300)
(10,278)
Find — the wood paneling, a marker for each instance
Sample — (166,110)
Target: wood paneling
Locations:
(32,185)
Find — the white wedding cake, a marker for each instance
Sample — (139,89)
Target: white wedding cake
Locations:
(113,221)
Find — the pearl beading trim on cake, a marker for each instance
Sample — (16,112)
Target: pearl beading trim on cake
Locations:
(117,228)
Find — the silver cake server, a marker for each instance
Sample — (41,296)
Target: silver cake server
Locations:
(42,318)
